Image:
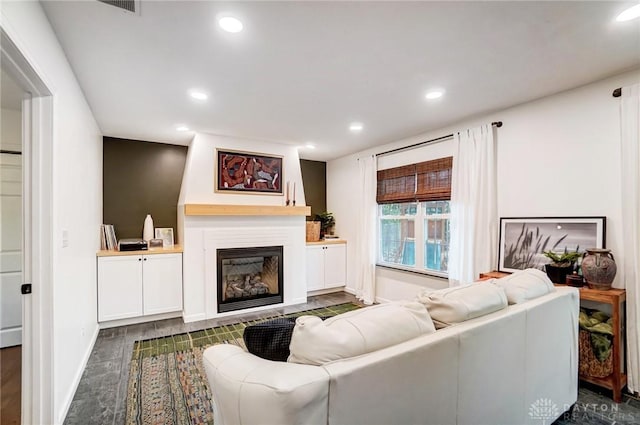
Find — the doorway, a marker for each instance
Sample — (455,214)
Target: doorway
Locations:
(30,169)
(11,242)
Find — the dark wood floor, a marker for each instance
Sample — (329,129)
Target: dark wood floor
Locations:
(10,381)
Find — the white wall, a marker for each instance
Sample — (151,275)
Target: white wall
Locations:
(198,180)
(557,156)
(76,194)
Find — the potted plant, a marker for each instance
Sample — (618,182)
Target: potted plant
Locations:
(326,223)
(561,265)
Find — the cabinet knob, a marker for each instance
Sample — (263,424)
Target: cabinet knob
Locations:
(139,259)
(145,259)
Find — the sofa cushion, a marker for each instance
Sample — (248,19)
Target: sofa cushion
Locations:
(454,305)
(357,332)
(525,285)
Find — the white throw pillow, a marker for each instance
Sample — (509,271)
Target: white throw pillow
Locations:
(461,303)
(357,332)
(525,285)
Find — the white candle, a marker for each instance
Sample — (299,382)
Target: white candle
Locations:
(294,192)
(287,191)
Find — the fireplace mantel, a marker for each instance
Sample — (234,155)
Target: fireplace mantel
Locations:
(253,210)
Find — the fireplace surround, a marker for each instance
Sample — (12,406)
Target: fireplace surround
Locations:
(249,277)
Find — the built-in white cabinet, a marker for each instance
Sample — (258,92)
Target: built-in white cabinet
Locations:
(326,266)
(138,285)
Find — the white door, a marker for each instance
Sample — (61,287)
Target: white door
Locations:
(315,267)
(119,287)
(335,265)
(162,283)
(10,249)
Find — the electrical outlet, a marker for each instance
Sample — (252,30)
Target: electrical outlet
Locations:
(65,238)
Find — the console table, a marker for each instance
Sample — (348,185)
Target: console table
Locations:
(615,298)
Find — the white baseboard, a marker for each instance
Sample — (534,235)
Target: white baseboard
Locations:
(11,337)
(194,317)
(349,290)
(141,319)
(325,291)
(381,300)
(76,379)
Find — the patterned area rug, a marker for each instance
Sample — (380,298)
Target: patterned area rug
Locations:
(167,381)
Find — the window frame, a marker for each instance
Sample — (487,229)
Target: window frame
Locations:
(420,235)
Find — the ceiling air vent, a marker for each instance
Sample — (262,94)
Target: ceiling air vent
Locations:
(132,6)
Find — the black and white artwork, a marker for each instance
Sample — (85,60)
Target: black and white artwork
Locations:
(523,240)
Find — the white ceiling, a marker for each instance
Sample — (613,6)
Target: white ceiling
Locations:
(302,71)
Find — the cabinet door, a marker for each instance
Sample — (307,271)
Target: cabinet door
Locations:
(335,266)
(162,287)
(119,287)
(315,267)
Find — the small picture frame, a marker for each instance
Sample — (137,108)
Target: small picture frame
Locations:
(166,234)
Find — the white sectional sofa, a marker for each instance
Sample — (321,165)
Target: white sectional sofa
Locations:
(517,365)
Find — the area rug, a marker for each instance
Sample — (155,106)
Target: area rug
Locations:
(167,381)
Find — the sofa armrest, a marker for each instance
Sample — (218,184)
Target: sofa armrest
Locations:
(247,389)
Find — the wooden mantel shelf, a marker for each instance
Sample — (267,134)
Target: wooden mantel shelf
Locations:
(218,209)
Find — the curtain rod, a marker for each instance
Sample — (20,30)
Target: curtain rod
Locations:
(10,152)
(617,92)
(426,142)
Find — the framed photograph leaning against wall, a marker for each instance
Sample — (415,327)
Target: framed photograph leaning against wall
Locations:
(166,234)
(523,240)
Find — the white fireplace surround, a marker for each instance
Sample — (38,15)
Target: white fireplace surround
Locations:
(204,235)
(201,235)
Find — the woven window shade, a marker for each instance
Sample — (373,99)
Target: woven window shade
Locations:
(397,185)
(434,180)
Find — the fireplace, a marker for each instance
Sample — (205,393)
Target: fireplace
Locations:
(249,277)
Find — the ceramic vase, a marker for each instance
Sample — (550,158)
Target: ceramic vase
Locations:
(147,231)
(599,268)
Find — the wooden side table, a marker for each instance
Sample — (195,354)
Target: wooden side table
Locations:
(615,298)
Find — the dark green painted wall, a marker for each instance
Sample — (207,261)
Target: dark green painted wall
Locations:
(314,179)
(141,178)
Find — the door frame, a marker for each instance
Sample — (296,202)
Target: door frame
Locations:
(37,165)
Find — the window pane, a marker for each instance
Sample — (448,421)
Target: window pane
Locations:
(405,208)
(437,235)
(397,233)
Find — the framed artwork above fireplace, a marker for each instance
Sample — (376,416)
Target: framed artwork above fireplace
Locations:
(248,172)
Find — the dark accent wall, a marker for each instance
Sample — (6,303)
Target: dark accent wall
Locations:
(141,178)
(314,180)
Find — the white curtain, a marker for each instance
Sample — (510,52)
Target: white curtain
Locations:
(630,169)
(366,232)
(473,205)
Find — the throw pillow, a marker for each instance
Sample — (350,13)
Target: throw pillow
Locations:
(357,332)
(270,340)
(460,303)
(525,285)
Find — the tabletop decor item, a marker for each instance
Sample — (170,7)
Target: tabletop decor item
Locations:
(166,234)
(249,172)
(561,265)
(147,230)
(599,268)
(327,221)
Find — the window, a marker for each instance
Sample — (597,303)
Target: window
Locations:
(413,216)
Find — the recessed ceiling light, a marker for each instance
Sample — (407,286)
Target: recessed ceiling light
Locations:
(198,95)
(632,13)
(230,24)
(182,128)
(434,94)
(310,146)
(356,127)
